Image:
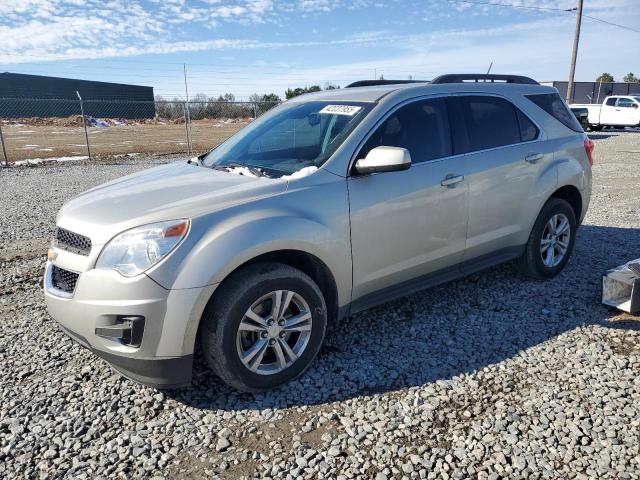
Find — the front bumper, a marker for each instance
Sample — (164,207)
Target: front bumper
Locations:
(103,298)
(162,373)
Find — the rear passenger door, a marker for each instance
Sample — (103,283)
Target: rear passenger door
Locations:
(503,158)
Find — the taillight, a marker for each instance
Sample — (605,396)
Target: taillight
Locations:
(588,147)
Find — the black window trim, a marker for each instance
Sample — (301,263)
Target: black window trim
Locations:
(395,108)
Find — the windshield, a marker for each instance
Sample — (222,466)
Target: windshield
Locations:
(289,138)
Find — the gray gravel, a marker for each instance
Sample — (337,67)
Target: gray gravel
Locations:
(492,376)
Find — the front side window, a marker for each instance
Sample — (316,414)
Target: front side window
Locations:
(554,106)
(626,103)
(422,127)
(290,138)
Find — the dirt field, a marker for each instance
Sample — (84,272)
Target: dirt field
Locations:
(24,141)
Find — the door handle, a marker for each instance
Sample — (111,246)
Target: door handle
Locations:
(451,180)
(533,157)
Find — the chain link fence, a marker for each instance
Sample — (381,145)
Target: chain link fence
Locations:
(34,129)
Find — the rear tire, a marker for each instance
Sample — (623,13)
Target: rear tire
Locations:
(263,326)
(551,241)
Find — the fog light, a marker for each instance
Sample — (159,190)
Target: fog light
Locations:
(127,329)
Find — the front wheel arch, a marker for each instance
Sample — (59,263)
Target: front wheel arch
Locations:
(306,262)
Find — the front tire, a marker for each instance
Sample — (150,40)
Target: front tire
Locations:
(551,241)
(263,326)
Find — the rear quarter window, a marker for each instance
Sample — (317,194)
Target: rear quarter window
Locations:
(528,131)
(554,106)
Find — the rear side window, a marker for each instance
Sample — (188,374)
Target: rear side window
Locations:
(422,127)
(611,102)
(482,122)
(554,106)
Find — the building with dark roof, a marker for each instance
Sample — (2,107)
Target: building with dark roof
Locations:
(40,96)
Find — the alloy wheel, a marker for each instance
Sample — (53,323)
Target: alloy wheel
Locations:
(274,332)
(555,240)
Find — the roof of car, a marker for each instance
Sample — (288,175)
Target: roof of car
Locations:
(375,93)
(356,94)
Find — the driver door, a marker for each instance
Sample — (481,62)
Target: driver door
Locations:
(609,113)
(408,228)
(628,111)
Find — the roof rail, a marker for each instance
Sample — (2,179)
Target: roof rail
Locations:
(483,77)
(370,83)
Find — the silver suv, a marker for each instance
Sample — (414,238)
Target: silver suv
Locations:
(327,205)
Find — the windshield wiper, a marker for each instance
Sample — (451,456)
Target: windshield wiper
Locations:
(257,171)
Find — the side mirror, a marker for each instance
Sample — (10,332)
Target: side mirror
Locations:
(384,159)
(635,105)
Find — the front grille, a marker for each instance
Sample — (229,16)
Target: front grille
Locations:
(63,280)
(73,242)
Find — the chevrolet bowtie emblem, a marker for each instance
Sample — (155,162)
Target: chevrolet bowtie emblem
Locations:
(51,255)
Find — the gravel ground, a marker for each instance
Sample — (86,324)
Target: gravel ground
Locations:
(491,376)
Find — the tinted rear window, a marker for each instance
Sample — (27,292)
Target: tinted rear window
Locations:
(554,106)
(482,122)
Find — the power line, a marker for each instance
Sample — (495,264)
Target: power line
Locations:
(610,23)
(552,9)
(524,7)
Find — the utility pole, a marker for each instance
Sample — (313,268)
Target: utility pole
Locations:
(187,114)
(574,55)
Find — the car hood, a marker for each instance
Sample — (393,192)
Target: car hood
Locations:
(177,190)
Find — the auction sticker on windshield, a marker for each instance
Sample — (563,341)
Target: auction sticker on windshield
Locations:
(349,110)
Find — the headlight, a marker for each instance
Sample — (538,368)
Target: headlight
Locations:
(137,250)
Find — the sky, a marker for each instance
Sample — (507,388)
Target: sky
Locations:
(264,46)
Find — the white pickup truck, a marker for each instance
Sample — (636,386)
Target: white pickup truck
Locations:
(616,111)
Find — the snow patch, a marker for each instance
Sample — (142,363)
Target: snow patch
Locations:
(37,161)
(242,171)
(303,172)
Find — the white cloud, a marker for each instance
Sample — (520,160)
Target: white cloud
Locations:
(539,44)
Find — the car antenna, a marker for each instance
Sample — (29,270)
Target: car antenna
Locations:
(490,65)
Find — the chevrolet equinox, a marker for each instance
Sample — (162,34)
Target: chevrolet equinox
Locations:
(327,205)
